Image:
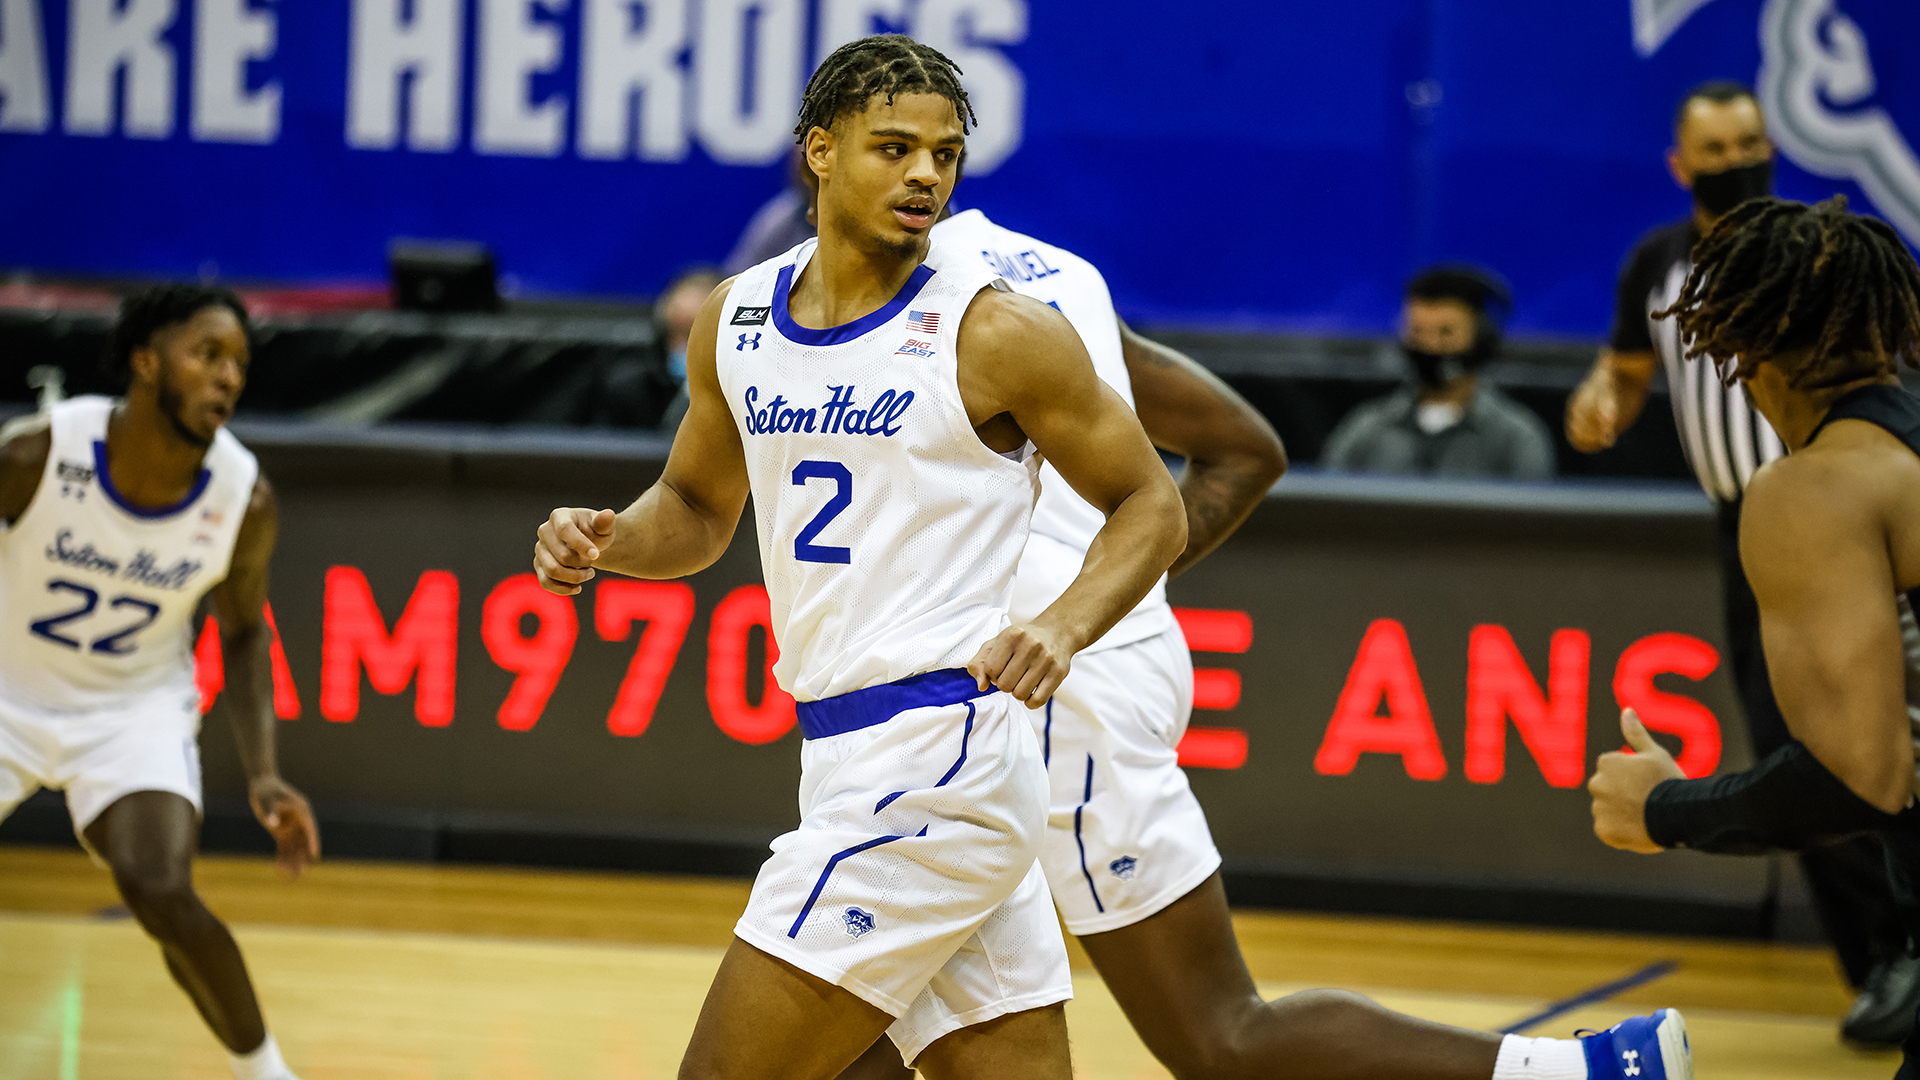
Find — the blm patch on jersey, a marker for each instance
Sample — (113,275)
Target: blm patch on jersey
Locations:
(751,316)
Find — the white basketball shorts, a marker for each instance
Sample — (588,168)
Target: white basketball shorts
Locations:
(1125,836)
(912,880)
(148,744)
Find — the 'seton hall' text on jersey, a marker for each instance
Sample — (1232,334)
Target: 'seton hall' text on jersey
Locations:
(143,569)
(840,414)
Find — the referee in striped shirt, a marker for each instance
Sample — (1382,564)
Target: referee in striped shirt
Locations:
(1722,154)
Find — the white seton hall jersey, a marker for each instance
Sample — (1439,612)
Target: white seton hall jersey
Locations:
(889,532)
(1064,524)
(97,597)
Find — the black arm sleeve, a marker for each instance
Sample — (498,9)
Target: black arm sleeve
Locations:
(1788,801)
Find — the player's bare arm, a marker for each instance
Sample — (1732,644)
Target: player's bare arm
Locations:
(682,523)
(1233,455)
(1025,375)
(239,603)
(1826,544)
(1823,535)
(1609,399)
(24,446)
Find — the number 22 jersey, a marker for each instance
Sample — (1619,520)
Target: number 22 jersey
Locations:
(889,533)
(99,596)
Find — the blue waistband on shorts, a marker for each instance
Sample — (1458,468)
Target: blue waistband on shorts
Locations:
(879,704)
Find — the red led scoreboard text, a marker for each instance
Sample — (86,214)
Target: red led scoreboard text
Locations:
(1381,710)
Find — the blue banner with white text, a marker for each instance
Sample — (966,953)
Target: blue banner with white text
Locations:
(1239,163)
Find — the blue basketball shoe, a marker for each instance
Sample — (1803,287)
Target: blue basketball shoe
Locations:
(1642,1048)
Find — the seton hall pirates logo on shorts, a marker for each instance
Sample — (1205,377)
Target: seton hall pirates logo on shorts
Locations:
(1123,867)
(858,922)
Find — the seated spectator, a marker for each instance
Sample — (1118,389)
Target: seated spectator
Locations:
(675,310)
(1445,422)
(780,223)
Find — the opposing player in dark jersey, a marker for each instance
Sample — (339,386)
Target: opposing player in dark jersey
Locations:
(119,518)
(1820,306)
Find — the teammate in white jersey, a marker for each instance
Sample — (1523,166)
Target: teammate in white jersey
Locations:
(883,408)
(1128,854)
(119,518)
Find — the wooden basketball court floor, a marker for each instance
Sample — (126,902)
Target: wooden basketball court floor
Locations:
(377,971)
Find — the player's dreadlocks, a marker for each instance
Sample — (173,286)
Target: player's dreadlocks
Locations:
(883,64)
(1831,296)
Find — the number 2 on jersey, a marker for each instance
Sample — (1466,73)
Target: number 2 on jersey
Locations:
(804,549)
(114,644)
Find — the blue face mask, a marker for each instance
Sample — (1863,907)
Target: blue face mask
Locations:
(677,364)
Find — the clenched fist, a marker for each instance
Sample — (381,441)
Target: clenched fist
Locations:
(1028,661)
(569,542)
(1593,414)
(1621,784)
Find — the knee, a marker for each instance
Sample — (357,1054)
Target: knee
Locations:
(161,898)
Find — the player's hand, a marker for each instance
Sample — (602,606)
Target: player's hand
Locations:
(1621,784)
(1593,414)
(570,540)
(289,818)
(1028,661)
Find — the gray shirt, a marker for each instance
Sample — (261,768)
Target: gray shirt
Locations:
(1498,438)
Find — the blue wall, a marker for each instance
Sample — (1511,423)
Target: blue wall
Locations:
(1238,162)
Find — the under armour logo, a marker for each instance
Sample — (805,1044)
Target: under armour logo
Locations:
(747,341)
(1632,1058)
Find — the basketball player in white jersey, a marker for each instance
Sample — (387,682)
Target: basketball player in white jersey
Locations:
(1128,854)
(119,518)
(884,408)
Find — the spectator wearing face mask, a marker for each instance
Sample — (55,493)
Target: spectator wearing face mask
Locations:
(1446,421)
(676,309)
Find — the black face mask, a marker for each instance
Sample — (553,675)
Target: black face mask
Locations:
(1435,370)
(1720,192)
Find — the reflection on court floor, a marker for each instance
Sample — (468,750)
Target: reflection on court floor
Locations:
(433,973)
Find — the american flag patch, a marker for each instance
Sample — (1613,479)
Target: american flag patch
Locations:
(927,322)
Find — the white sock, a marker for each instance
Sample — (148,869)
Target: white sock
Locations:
(1522,1058)
(265,1063)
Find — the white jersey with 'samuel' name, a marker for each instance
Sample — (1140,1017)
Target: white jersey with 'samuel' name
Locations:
(1064,524)
(889,532)
(97,597)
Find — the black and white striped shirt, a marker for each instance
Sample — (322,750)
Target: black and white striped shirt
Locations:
(1724,437)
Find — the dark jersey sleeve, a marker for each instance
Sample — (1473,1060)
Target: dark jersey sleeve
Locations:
(1645,270)
(1637,278)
